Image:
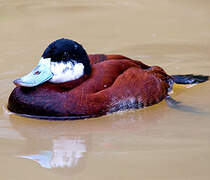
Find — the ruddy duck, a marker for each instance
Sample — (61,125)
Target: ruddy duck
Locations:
(69,84)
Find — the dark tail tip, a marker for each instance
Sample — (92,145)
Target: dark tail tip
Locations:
(189,79)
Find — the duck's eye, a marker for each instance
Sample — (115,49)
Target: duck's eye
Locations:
(37,73)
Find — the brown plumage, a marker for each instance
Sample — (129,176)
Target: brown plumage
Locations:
(115,83)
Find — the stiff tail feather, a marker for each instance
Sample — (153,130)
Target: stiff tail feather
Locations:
(190,79)
(186,79)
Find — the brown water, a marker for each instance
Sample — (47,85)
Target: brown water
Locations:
(157,142)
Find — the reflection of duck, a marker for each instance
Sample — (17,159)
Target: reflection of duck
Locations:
(53,144)
(67,83)
(65,153)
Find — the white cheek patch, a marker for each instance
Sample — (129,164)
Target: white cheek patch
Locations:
(63,72)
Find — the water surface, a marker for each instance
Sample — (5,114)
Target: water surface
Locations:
(154,143)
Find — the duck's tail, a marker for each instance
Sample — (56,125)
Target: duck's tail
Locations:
(185,79)
(189,79)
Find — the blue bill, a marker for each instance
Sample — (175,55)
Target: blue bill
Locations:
(40,74)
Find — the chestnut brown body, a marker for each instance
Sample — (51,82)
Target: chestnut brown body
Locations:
(115,83)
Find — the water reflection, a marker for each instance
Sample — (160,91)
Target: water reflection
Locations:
(65,153)
(66,146)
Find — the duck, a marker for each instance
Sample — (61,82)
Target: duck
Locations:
(68,83)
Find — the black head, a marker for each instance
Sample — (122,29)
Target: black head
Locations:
(67,50)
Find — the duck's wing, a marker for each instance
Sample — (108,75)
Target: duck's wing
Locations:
(115,85)
(106,72)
